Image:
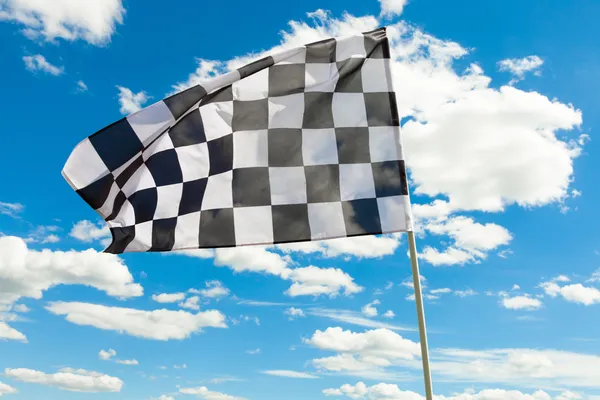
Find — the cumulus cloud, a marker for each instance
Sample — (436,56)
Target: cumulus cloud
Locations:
(168,297)
(87,231)
(131,102)
(391,8)
(68,379)
(5,389)
(203,393)
(65,19)
(371,246)
(28,273)
(290,374)
(317,281)
(214,290)
(9,333)
(191,303)
(81,87)
(575,293)
(38,63)
(157,324)
(369,309)
(521,303)
(518,67)
(293,313)
(109,354)
(11,209)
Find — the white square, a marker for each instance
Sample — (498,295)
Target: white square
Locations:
(356,182)
(288,185)
(140,180)
(253,225)
(150,121)
(107,207)
(321,77)
(217,118)
(143,238)
(286,111)
(126,216)
(218,192)
(161,144)
(187,231)
(169,198)
(194,161)
(350,47)
(123,167)
(253,87)
(84,166)
(349,110)
(319,147)
(326,220)
(383,143)
(375,77)
(292,56)
(250,149)
(393,213)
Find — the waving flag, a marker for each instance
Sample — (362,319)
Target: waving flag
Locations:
(301,145)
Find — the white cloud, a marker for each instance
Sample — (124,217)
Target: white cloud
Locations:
(575,293)
(21,308)
(157,324)
(354,318)
(9,333)
(371,246)
(5,389)
(131,102)
(214,289)
(28,273)
(389,314)
(65,19)
(290,374)
(293,312)
(106,354)
(317,281)
(11,209)
(168,297)
(191,303)
(68,379)
(43,234)
(204,393)
(516,287)
(182,366)
(441,291)
(391,8)
(128,362)
(253,352)
(369,310)
(81,87)
(253,259)
(39,63)
(518,67)
(521,303)
(465,293)
(165,397)
(87,231)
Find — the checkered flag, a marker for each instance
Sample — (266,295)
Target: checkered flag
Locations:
(300,145)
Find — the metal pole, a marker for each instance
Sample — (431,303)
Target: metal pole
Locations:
(420,314)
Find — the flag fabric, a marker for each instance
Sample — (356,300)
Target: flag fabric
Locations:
(301,145)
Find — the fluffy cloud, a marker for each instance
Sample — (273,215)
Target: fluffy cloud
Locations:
(68,379)
(87,231)
(191,303)
(81,87)
(38,63)
(521,303)
(575,293)
(168,297)
(157,324)
(518,67)
(111,353)
(203,393)
(391,8)
(131,102)
(11,209)
(293,312)
(5,389)
(9,333)
(65,19)
(369,309)
(28,273)
(290,374)
(359,246)
(214,290)
(389,314)
(316,281)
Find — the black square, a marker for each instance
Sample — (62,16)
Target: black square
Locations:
(216,228)
(350,80)
(390,178)
(192,195)
(322,183)
(96,193)
(250,115)
(290,223)
(128,172)
(116,144)
(381,109)
(318,110)
(189,130)
(144,204)
(286,79)
(165,168)
(321,52)
(255,66)
(180,102)
(361,217)
(117,204)
(224,94)
(163,234)
(121,237)
(377,44)
(285,147)
(353,145)
(220,152)
(251,187)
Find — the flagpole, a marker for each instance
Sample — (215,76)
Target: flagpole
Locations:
(420,314)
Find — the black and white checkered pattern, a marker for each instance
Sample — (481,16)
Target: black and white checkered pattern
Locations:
(301,145)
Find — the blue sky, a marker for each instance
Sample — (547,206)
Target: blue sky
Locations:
(499,100)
